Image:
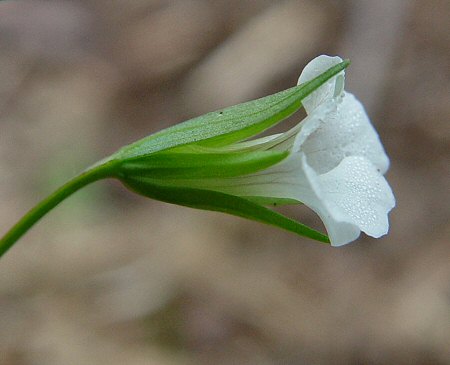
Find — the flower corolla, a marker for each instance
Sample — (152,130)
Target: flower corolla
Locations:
(335,165)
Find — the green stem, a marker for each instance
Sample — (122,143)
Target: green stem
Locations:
(29,219)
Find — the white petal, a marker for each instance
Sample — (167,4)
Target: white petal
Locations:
(354,193)
(330,89)
(336,129)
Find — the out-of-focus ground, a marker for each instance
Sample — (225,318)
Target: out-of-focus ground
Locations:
(113,278)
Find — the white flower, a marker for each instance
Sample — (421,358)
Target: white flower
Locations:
(336,164)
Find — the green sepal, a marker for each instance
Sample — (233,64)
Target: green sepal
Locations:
(221,202)
(170,166)
(231,124)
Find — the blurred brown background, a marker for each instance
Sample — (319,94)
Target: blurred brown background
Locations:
(113,278)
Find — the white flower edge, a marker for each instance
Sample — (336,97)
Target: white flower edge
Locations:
(337,125)
(330,89)
(352,197)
